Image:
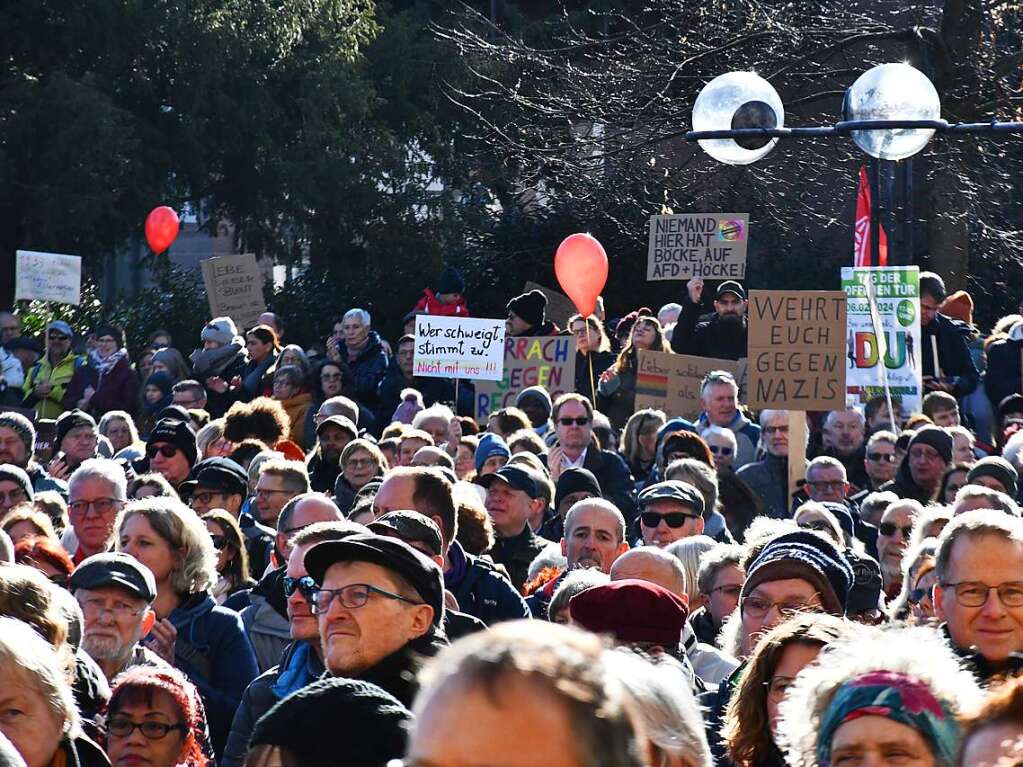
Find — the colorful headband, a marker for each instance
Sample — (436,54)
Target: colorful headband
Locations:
(896,696)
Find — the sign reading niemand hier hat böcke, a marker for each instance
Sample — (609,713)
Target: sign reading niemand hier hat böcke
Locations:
(707,245)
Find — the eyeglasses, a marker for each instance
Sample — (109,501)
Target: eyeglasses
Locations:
(673,519)
(352,597)
(94,608)
(776,430)
(165,449)
(758,607)
(304,585)
(888,529)
(219,542)
(357,462)
(882,457)
(975,593)
(101,506)
(264,493)
(206,498)
(730,590)
(720,450)
(123,727)
(580,421)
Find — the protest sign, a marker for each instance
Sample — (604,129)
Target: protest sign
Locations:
(896,298)
(671,382)
(458,347)
(559,306)
(48,277)
(547,361)
(707,245)
(797,349)
(234,287)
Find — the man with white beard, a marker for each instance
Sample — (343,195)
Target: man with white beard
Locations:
(115,592)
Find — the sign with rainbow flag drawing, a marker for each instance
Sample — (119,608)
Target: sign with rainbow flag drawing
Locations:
(707,245)
(528,361)
(671,382)
(883,323)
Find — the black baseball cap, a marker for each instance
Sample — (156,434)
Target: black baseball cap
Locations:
(115,569)
(422,573)
(731,286)
(516,476)
(673,490)
(411,527)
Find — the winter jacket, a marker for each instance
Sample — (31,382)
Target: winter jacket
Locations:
(212,650)
(615,480)
(1004,374)
(616,397)
(80,751)
(434,390)
(398,672)
(709,335)
(714,704)
(266,619)
(322,475)
(984,670)
(769,479)
(42,481)
(480,589)
(703,627)
(227,362)
(259,541)
(368,370)
(296,407)
(954,356)
(747,437)
(517,553)
(601,362)
(904,486)
(58,377)
(299,667)
(117,390)
(710,664)
(13,372)
(431,304)
(256,379)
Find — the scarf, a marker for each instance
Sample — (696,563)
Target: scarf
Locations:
(896,696)
(212,362)
(105,365)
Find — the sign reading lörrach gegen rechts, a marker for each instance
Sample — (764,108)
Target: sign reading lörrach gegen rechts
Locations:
(707,245)
(797,349)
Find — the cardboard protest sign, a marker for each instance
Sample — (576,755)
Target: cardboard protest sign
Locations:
(547,361)
(671,382)
(707,245)
(48,277)
(458,347)
(797,349)
(895,296)
(559,306)
(234,287)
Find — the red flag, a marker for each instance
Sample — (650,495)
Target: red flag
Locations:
(861,228)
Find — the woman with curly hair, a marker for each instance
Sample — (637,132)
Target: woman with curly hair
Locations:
(880,697)
(205,641)
(155,717)
(616,392)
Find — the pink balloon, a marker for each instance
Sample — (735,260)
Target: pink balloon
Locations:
(581,267)
(161,228)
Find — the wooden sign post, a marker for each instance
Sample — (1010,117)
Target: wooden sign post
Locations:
(797,450)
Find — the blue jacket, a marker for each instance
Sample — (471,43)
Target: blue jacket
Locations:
(481,590)
(213,652)
(368,370)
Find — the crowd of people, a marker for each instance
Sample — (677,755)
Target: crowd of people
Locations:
(261,554)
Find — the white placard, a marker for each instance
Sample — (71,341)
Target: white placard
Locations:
(48,277)
(459,347)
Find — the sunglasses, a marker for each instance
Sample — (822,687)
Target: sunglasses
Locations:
(580,421)
(219,542)
(720,450)
(306,585)
(885,457)
(673,519)
(167,451)
(889,528)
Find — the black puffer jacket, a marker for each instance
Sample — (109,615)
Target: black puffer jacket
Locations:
(954,356)
(709,335)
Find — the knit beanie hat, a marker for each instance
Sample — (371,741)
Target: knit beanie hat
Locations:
(936,437)
(537,394)
(809,556)
(11,473)
(531,307)
(21,426)
(450,281)
(337,721)
(997,468)
(67,421)
(958,306)
(107,329)
(490,444)
(576,480)
(176,433)
(161,381)
(220,329)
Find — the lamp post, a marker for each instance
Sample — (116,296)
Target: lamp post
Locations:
(890,112)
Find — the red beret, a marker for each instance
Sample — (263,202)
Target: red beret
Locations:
(631,610)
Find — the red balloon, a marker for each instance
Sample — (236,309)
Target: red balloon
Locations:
(581,267)
(161,228)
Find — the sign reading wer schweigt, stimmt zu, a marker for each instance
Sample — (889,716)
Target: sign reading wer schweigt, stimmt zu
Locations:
(707,245)
(797,349)
(459,347)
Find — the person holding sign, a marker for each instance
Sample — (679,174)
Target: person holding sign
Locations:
(722,334)
(947,364)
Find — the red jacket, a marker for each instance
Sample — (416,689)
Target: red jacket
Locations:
(433,306)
